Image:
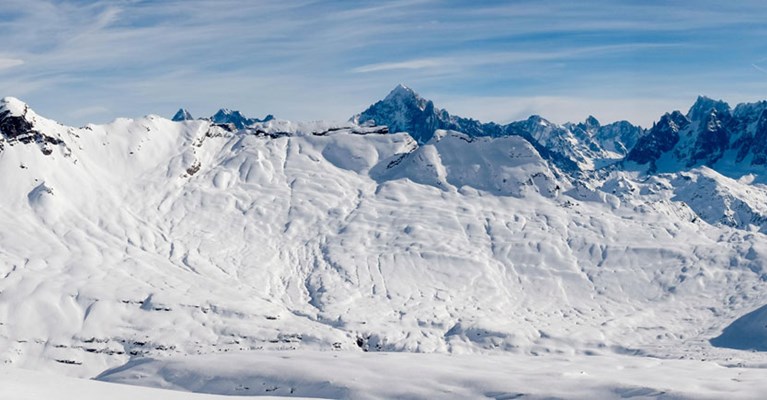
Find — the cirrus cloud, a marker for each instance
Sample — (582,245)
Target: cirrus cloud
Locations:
(10,62)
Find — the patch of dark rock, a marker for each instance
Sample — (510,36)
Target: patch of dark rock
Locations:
(69,362)
(193,170)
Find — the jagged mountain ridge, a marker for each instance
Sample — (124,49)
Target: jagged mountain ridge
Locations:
(710,134)
(572,147)
(150,237)
(701,137)
(224,116)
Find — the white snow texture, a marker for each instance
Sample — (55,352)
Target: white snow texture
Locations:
(143,241)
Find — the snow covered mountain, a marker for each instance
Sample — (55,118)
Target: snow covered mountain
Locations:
(156,238)
(182,115)
(711,134)
(224,116)
(403,110)
(583,146)
(227,116)
(588,144)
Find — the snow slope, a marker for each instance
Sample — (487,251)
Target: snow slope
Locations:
(155,238)
(20,384)
(438,376)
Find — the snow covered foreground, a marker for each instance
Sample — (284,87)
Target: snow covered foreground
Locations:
(348,375)
(161,239)
(21,384)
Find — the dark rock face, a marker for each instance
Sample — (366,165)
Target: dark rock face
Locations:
(182,115)
(403,110)
(14,127)
(18,129)
(236,118)
(758,145)
(703,106)
(661,138)
(709,132)
(712,140)
(749,125)
(712,137)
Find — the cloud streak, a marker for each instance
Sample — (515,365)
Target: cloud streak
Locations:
(758,68)
(468,60)
(409,64)
(10,62)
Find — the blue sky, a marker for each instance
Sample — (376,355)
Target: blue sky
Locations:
(91,61)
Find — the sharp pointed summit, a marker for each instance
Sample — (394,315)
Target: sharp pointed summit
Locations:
(401,91)
(403,110)
(592,122)
(182,115)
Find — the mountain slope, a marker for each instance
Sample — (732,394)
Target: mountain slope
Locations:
(150,237)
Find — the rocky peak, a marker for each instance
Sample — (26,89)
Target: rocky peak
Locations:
(403,97)
(226,116)
(703,107)
(618,137)
(403,110)
(661,138)
(591,123)
(673,121)
(401,92)
(14,121)
(182,115)
(540,128)
(20,124)
(711,141)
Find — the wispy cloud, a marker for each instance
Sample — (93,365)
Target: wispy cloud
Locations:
(758,68)
(87,112)
(10,62)
(475,59)
(409,64)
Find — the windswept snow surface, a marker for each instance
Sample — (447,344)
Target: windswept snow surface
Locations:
(155,238)
(347,375)
(20,384)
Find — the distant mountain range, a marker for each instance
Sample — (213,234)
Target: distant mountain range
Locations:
(711,133)
(223,116)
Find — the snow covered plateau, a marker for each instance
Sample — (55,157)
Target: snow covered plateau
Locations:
(405,253)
